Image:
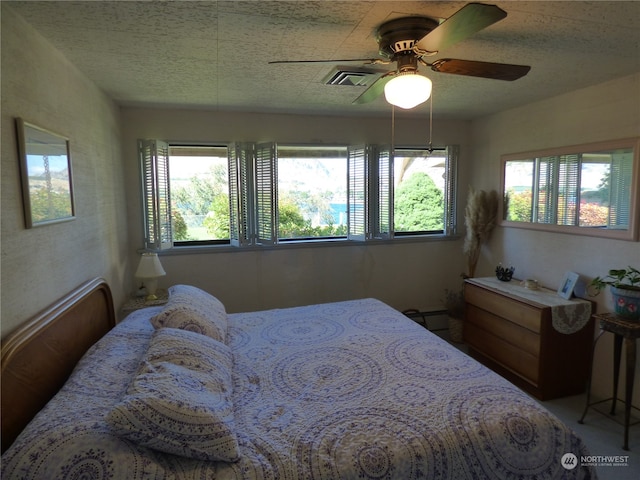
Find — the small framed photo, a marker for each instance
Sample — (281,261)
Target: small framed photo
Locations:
(568,283)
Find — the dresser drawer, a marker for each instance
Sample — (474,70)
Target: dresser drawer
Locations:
(504,353)
(510,332)
(517,312)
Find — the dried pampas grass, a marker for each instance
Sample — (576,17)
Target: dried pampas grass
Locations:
(480,217)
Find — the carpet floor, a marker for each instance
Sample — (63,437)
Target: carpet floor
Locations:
(603,435)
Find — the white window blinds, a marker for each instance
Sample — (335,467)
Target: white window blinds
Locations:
(266,176)
(568,193)
(557,193)
(382,184)
(546,181)
(357,211)
(620,190)
(241,210)
(154,164)
(451,180)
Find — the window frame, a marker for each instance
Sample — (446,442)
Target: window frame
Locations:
(449,219)
(182,145)
(252,171)
(310,147)
(630,234)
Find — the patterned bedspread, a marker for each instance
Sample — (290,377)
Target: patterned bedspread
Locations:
(347,390)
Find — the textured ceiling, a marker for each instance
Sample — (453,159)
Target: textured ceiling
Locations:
(215,55)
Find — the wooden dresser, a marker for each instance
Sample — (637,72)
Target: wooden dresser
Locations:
(536,339)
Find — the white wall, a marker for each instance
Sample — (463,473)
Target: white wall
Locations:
(406,275)
(42,264)
(605,112)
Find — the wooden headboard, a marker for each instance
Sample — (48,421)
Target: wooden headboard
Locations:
(39,357)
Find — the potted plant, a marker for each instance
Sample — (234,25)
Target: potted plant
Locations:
(454,304)
(624,284)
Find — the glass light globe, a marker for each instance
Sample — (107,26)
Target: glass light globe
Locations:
(407,90)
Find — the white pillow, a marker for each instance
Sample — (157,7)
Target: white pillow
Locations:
(190,308)
(190,350)
(180,400)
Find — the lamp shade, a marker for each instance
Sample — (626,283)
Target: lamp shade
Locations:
(407,90)
(150,266)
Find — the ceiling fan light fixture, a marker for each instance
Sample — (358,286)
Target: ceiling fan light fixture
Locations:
(407,90)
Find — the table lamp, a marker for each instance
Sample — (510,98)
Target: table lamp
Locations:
(149,269)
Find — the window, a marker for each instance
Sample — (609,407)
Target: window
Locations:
(199,180)
(588,189)
(312,192)
(248,194)
(420,184)
(410,193)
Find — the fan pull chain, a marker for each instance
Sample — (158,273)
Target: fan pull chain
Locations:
(431,123)
(393,130)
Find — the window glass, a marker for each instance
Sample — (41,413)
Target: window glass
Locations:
(199,186)
(419,186)
(594,198)
(597,173)
(519,187)
(312,192)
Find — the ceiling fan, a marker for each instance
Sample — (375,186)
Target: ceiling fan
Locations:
(408,40)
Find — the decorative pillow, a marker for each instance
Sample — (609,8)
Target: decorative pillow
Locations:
(190,308)
(190,350)
(180,400)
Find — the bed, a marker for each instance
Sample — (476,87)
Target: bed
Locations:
(352,389)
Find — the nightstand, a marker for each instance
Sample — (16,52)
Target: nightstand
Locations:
(136,303)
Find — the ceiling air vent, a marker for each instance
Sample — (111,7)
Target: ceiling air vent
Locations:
(351,76)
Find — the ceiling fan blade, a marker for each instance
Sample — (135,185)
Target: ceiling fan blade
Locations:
(374,90)
(496,71)
(470,19)
(369,60)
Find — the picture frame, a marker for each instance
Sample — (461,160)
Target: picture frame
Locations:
(565,290)
(46,175)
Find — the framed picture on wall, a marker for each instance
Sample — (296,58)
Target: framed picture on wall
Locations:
(565,290)
(45,171)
